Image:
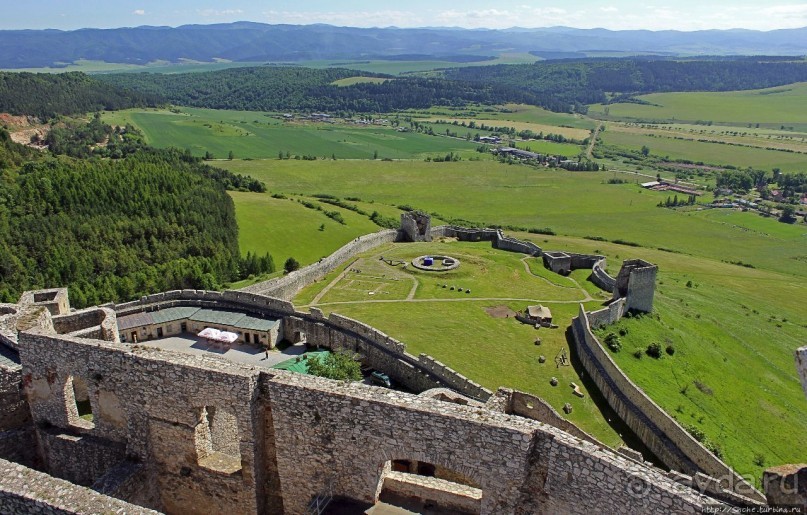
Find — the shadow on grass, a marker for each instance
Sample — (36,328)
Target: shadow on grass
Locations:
(608,413)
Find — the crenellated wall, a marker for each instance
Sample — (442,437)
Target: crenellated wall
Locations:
(287,286)
(514,402)
(658,431)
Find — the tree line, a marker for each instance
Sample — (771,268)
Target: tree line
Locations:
(47,95)
(570,84)
(306,89)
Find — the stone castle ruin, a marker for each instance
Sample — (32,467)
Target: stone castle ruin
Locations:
(91,423)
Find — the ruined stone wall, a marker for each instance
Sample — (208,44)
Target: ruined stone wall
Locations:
(151,404)
(516,245)
(514,402)
(438,492)
(607,315)
(601,278)
(416,226)
(558,262)
(382,352)
(97,323)
(14,412)
(23,490)
(801,366)
(287,286)
(658,431)
(230,299)
(19,446)
(81,459)
(336,437)
(636,282)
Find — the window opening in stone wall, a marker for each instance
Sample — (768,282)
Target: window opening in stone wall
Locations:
(217,440)
(79,407)
(423,487)
(246,337)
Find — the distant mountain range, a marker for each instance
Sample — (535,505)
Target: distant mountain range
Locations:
(256,42)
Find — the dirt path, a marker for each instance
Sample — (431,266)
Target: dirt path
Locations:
(586,296)
(332,283)
(593,141)
(471,299)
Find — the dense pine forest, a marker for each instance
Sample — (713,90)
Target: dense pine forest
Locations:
(557,85)
(115,229)
(561,86)
(46,95)
(306,89)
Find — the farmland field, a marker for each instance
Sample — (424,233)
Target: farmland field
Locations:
(573,203)
(710,153)
(783,105)
(260,135)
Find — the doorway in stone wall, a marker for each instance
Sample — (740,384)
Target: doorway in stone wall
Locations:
(426,488)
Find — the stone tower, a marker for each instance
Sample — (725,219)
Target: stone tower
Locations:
(416,226)
(636,283)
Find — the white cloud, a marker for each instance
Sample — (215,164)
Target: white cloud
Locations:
(219,12)
(352,19)
(139,12)
(661,16)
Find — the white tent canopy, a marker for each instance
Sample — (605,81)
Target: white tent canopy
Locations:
(210,333)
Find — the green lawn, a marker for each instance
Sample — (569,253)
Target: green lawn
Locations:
(454,327)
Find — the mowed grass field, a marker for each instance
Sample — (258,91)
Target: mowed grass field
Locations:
(573,203)
(255,135)
(782,105)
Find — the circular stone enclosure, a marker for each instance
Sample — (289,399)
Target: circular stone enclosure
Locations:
(435,263)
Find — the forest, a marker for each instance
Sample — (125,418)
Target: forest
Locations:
(47,95)
(560,86)
(304,89)
(115,229)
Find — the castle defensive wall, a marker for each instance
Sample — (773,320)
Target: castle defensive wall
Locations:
(198,434)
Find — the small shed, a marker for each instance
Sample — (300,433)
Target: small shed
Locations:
(539,314)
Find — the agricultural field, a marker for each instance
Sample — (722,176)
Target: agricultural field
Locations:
(771,108)
(573,203)
(253,135)
(671,147)
(513,113)
(567,132)
(187,65)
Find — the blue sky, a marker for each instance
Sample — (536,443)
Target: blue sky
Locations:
(610,14)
